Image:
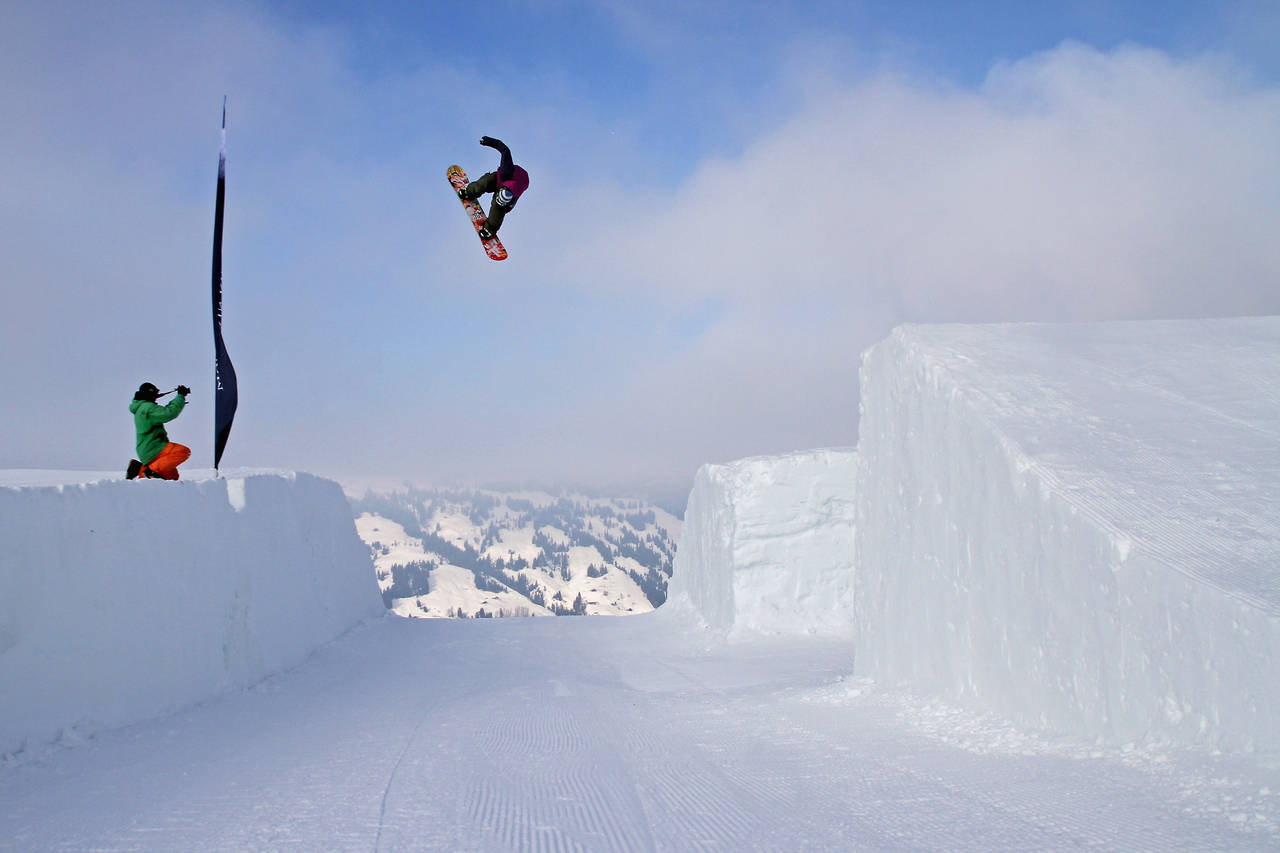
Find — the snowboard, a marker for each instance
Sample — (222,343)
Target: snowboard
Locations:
(493,246)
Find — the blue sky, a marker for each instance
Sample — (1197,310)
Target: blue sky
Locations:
(685,80)
(729,202)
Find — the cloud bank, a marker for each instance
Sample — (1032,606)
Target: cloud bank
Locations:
(643,326)
(1073,185)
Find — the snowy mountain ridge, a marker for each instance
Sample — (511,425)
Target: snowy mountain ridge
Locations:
(477,553)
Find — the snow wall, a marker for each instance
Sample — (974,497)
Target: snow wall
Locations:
(1077,526)
(121,601)
(767,545)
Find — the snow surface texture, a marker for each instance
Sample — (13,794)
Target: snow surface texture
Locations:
(767,545)
(609,734)
(1078,525)
(124,600)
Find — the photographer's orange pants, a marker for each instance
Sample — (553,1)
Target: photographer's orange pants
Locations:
(167,461)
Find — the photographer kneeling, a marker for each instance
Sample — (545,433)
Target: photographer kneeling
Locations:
(159,456)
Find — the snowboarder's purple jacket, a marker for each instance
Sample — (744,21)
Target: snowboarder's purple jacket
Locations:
(518,181)
(510,175)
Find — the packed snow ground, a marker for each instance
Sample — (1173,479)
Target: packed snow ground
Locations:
(607,734)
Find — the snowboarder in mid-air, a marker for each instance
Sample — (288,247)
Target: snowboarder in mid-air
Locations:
(506,184)
(159,456)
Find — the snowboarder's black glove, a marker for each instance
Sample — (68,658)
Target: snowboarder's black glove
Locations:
(183,390)
(489,142)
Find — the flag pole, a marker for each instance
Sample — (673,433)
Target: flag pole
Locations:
(226,395)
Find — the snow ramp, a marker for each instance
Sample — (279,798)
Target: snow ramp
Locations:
(121,601)
(767,546)
(1077,525)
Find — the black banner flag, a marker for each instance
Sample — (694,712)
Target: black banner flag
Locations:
(224,374)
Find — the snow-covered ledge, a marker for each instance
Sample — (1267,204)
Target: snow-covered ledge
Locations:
(123,600)
(767,545)
(1078,525)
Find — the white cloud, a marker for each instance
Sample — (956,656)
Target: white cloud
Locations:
(372,339)
(1074,185)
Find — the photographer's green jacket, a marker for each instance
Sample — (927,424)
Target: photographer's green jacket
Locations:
(149,419)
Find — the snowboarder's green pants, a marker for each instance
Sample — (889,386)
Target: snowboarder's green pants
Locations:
(488,183)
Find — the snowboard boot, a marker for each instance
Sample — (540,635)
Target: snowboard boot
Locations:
(151,475)
(485,233)
(462,194)
(134,467)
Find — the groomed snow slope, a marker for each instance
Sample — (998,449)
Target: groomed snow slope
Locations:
(1078,525)
(767,545)
(123,600)
(609,734)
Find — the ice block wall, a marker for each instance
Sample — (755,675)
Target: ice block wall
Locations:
(1077,525)
(124,600)
(767,545)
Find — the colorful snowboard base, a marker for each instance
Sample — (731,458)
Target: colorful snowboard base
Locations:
(493,246)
